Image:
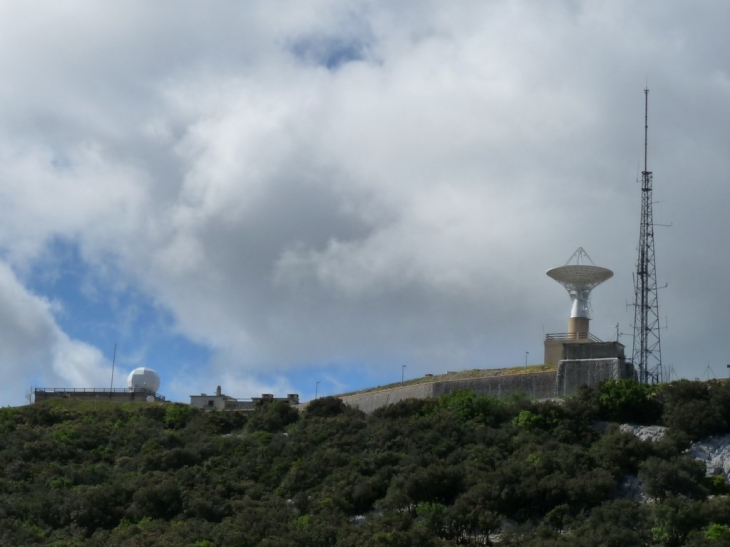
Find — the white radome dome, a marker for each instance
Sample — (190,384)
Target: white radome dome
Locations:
(143,378)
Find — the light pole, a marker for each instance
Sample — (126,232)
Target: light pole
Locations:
(315,389)
(526,354)
(402,373)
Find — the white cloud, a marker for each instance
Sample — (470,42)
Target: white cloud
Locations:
(33,349)
(76,193)
(402,204)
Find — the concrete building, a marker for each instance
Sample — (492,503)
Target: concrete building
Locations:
(580,357)
(142,386)
(116,395)
(220,401)
(559,346)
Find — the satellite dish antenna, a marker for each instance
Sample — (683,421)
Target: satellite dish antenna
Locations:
(579,276)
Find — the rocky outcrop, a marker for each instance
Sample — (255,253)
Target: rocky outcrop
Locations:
(715,452)
(651,433)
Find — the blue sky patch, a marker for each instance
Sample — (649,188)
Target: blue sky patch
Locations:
(329,52)
(96,306)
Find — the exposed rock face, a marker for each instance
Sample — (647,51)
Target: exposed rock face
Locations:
(715,452)
(651,433)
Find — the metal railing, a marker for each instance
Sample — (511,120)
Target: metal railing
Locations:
(565,336)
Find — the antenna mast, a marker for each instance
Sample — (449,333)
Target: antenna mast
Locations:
(114,360)
(647,350)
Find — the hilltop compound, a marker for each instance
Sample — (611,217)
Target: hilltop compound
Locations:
(572,359)
(221,401)
(542,382)
(142,386)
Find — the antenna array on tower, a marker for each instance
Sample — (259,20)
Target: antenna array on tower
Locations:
(647,350)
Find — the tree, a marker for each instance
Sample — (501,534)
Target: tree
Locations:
(325,407)
(679,476)
(690,409)
(158,501)
(628,401)
(272,417)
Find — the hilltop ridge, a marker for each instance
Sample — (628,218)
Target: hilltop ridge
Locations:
(461,469)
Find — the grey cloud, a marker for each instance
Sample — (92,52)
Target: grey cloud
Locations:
(403,206)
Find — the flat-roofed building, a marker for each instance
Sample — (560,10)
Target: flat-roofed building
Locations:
(115,395)
(221,401)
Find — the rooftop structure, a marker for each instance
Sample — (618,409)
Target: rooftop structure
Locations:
(142,386)
(221,401)
(115,395)
(143,378)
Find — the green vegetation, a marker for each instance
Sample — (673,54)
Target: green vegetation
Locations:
(464,469)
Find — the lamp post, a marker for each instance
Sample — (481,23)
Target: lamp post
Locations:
(526,354)
(402,373)
(315,389)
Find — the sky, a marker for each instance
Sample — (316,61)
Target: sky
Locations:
(287,195)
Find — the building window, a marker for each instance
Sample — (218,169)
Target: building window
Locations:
(211,403)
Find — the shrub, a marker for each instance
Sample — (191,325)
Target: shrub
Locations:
(678,476)
(272,417)
(325,407)
(628,401)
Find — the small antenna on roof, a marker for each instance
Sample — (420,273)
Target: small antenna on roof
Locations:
(114,359)
(579,255)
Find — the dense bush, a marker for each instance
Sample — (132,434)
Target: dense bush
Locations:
(325,407)
(696,409)
(628,401)
(421,472)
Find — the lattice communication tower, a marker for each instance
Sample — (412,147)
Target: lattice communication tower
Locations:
(647,350)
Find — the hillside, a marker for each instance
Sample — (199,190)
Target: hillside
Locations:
(460,470)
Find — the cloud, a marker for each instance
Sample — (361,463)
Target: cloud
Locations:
(77,192)
(34,350)
(321,183)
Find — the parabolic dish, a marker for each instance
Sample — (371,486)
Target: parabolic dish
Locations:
(580,276)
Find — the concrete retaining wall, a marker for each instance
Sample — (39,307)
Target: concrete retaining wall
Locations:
(573,374)
(567,380)
(367,402)
(539,385)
